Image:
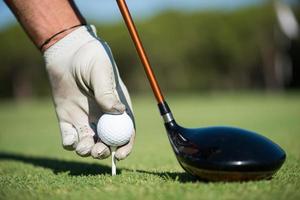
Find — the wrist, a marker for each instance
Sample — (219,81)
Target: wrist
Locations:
(67,44)
(43,19)
(56,37)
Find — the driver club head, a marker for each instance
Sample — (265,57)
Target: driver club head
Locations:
(224,153)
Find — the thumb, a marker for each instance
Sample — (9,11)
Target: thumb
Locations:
(104,84)
(109,103)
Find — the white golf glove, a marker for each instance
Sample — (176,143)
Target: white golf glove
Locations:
(86,84)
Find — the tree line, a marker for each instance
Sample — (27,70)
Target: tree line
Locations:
(207,50)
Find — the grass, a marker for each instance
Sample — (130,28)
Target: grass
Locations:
(34,166)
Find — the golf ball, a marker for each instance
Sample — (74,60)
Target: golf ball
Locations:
(115,130)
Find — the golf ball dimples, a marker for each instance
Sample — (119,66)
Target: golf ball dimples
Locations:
(115,130)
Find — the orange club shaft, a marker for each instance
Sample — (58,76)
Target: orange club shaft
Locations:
(141,51)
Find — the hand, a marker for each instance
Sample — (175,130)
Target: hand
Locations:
(86,84)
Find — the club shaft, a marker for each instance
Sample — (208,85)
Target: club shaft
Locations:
(140,49)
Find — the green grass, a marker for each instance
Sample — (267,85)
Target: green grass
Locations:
(34,166)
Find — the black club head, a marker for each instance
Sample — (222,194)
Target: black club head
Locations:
(225,153)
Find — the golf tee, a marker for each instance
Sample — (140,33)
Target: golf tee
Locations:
(113,163)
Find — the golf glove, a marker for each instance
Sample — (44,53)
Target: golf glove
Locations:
(86,84)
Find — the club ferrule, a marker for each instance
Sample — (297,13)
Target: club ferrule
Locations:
(165,112)
(168,117)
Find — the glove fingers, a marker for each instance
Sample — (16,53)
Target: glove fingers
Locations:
(100,151)
(86,140)
(124,151)
(69,136)
(77,134)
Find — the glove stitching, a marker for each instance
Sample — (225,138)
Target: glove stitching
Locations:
(112,78)
(113,85)
(84,131)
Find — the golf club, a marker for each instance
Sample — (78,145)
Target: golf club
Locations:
(212,153)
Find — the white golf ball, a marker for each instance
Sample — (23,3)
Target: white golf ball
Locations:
(115,130)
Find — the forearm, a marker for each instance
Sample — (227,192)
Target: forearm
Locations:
(41,19)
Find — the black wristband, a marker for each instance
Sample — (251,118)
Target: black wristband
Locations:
(56,34)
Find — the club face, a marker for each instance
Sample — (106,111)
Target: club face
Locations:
(224,153)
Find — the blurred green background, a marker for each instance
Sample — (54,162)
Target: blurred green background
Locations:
(242,48)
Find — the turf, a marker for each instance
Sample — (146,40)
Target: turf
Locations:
(34,166)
